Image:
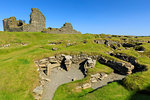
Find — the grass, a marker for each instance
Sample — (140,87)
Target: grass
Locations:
(140,80)
(19,76)
(100,68)
(113,91)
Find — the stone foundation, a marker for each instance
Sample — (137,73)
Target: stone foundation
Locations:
(64,62)
(130,59)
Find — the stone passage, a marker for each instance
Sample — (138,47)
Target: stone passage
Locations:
(36,24)
(65,29)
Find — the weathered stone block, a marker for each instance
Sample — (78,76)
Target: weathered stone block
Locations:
(86,85)
(38,90)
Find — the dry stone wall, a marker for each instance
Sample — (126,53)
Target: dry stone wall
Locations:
(85,61)
(62,62)
(116,44)
(132,60)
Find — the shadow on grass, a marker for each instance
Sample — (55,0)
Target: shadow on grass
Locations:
(141,95)
(118,81)
(135,95)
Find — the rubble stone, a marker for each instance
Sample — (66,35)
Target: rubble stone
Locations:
(65,29)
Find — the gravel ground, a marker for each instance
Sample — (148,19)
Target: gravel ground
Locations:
(110,78)
(59,77)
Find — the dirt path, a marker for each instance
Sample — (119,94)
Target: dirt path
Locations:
(59,77)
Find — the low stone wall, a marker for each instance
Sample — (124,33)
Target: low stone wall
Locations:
(117,44)
(132,60)
(84,60)
(64,62)
(119,66)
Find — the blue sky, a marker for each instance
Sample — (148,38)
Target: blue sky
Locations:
(124,17)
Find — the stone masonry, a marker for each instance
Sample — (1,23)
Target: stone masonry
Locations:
(36,24)
(65,29)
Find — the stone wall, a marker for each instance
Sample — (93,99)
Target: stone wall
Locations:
(36,24)
(12,25)
(132,60)
(85,62)
(65,29)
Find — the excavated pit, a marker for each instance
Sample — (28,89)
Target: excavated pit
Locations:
(61,69)
(59,77)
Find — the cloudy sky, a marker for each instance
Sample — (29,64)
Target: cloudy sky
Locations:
(126,17)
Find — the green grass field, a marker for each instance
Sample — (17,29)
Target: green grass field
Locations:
(19,75)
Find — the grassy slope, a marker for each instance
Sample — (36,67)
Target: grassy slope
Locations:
(113,91)
(140,80)
(18,73)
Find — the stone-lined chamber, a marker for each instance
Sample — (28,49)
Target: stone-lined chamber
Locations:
(65,62)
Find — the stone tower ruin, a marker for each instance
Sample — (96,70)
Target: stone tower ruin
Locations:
(36,24)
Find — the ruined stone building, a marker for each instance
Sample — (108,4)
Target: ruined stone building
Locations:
(65,29)
(37,23)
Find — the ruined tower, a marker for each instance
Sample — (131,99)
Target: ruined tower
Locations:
(36,24)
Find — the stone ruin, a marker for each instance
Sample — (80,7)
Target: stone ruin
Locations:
(37,23)
(124,66)
(65,29)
